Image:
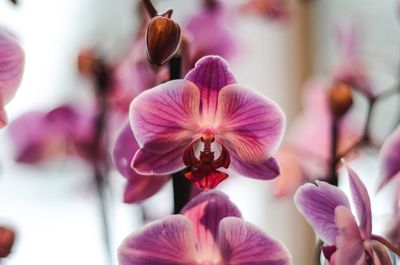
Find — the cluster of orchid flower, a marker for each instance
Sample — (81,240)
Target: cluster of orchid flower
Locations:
(204,128)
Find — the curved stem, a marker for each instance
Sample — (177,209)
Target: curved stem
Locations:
(385,242)
(150,8)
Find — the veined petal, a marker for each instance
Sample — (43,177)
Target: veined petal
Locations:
(165,116)
(242,243)
(390,157)
(377,252)
(250,124)
(168,241)
(12,60)
(349,243)
(317,203)
(362,203)
(210,75)
(266,170)
(148,163)
(206,211)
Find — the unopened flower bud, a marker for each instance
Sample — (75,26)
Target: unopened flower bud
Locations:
(7,238)
(340,99)
(162,38)
(87,62)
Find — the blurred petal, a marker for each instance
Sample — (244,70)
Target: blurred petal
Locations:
(362,203)
(210,75)
(140,188)
(11,66)
(250,124)
(266,170)
(390,157)
(165,116)
(3,118)
(317,203)
(206,211)
(378,252)
(242,243)
(349,243)
(168,241)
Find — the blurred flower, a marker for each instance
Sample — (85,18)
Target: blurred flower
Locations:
(390,158)
(12,61)
(206,112)
(209,230)
(327,209)
(276,10)
(310,136)
(139,187)
(7,238)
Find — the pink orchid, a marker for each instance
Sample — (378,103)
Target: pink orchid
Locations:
(139,187)
(207,111)
(327,209)
(209,230)
(12,60)
(390,158)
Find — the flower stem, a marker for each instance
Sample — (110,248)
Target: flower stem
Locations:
(385,242)
(150,8)
(333,179)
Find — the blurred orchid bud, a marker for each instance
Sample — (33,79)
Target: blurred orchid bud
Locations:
(340,99)
(87,62)
(7,238)
(162,38)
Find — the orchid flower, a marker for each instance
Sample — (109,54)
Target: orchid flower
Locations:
(209,230)
(206,112)
(390,158)
(275,10)
(139,187)
(327,209)
(12,60)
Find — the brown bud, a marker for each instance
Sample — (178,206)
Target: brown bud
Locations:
(162,39)
(7,238)
(87,62)
(340,99)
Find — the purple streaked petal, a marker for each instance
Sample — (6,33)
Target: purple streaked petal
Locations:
(349,243)
(12,60)
(390,157)
(362,203)
(165,116)
(148,163)
(168,241)
(206,211)
(210,75)
(266,170)
(242,243)
(140,188)
(250,124)
(317,203)
(377,252)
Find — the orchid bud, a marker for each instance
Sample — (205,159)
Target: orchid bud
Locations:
(87,62)
(7,238)
(340,99)
(162,38)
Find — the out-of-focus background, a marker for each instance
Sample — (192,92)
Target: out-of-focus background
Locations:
(54,208)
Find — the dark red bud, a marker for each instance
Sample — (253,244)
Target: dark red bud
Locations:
(340,99)
(162,39)
(7,238)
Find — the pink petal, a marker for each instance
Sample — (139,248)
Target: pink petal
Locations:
(266,170)
(362,203)
(164,242)
(242,243)
(139,187)
(390,157)
(210,75)
(348,39)
(206,211)
(165,116)
(317,203)
(349,243)
(3,118)
(12,60)
(250,124)
(378,253)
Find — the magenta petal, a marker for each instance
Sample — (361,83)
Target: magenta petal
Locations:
(378,252)
(250,124)
(141,188)
(266,170)
(206,211)
(349,243)
(362,203)
(242,243)
(165,116)
(317,203)
(11,66)
(390,157)
(148,163)
(210,75)
(165,242)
